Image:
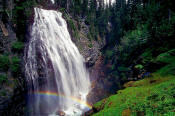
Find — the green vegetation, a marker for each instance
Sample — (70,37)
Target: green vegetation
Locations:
(139,66)
(108,54)
(169,59)
(17,46)
(147,56)
(72,26)
(3,78)
(4,62)
(136,32)
(15,66)
(153,95)
(90,45)
(150,96)
(140,41)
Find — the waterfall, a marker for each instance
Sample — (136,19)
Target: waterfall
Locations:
(53,1)
(57,78)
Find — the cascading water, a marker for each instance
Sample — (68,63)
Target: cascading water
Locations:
(58,80)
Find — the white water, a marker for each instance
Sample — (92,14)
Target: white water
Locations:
(54,64)
(109,1)
(53,1)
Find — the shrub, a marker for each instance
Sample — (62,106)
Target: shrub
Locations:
(135,38)
(123,69)
(109,54)
(72,26)
(15,66)
(90,45)
(147,56)
(166,57)
(3,78)
(166,28)
(4,62)
(132,40)
(139,66)
(17,46)
(62,10)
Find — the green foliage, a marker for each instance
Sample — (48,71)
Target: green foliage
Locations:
(89,36)
(133,39)
(17,46)
(169,58)
(62,10)
(21,14)
(4,62)
(15,66)
(139,66)
(165,28)
(147,56)
(123,69)
(26,7)
(71,23)
(139,25)
(109,54)
(90,45)
(3,78)
(151,96)
(72,26)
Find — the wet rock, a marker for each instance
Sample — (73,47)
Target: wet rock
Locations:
(91,112)
(60,113)
(100,85)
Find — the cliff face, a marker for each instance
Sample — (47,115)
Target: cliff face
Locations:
(91,49)
(11,84)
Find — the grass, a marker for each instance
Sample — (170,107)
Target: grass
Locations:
(152,96)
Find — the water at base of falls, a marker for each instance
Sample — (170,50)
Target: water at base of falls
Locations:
(58,81)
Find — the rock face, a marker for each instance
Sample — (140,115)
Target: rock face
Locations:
(90,49)
(12,93)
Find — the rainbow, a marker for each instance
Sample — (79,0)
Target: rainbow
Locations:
(62,95)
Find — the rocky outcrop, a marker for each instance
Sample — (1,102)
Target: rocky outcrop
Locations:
(89,48)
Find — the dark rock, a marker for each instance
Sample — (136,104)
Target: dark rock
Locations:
(60,113)
(152,81)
